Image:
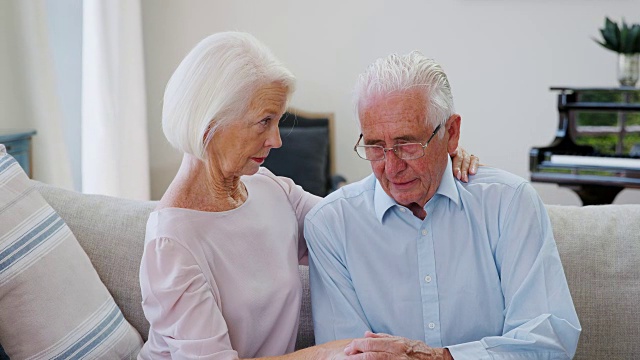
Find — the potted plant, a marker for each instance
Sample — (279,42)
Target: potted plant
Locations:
(624,40)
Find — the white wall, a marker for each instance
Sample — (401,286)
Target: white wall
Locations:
(501,57)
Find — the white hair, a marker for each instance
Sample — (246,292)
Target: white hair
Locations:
(214,85)
(398,73)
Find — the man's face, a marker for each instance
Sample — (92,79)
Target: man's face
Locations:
(400,118)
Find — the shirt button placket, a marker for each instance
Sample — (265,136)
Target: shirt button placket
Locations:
(429,287)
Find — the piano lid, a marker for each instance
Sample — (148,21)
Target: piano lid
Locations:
(591,89)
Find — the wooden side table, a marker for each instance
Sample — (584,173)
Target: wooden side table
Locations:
(18,144)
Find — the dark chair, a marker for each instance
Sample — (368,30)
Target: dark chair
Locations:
(307,152)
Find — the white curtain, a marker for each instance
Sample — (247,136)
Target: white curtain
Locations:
(32,85)
(115,159)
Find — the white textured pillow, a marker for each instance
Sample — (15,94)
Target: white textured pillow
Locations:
(52,302)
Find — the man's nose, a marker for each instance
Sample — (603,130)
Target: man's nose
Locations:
(393,164)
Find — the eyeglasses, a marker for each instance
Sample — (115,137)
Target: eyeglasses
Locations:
(409,151)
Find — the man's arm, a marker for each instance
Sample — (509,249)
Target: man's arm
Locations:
(337,313)
(540,319)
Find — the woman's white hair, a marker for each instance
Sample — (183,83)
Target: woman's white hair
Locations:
(397,73)
(214,85)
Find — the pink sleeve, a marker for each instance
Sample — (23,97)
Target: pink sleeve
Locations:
(302,202)
(180,304)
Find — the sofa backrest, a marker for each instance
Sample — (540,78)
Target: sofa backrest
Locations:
(600,251)
(111,231)
(599,247)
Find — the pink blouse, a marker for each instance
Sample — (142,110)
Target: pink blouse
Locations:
(225,285)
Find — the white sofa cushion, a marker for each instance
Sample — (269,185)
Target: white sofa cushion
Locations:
(52,302)
(111,232)
(600,251)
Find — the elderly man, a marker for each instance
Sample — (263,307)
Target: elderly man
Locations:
(450,269)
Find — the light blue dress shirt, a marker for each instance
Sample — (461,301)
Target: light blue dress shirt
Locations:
(481,275)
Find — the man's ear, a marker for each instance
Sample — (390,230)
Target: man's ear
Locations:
(452,126)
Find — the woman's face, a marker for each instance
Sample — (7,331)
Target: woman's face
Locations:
(242,146)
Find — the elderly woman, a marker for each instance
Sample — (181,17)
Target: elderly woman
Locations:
(219,274)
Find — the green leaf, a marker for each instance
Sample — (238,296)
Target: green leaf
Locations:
(611,34)
(604,44)
(609,25)
(634,39)
(610,41)
(624,39)
(616,31)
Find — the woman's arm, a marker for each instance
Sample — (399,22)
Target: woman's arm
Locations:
(333,350)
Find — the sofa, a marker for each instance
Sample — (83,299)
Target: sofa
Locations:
(599,247)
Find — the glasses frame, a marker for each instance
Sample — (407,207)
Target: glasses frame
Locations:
(394,147)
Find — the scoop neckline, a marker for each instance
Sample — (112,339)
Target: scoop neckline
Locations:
(179,209)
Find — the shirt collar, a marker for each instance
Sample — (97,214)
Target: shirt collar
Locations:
(383,202)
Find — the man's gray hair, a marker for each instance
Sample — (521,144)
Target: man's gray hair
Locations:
(214,84)
(397,73)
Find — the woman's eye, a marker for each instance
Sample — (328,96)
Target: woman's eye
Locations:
(265,121)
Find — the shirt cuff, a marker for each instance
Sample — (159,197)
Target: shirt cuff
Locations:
(469,351)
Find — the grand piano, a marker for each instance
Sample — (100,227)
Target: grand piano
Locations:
(596,151)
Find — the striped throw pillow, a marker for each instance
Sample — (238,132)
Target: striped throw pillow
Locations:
(52,302)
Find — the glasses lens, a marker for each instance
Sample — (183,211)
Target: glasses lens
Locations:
(409,151)
(369,152)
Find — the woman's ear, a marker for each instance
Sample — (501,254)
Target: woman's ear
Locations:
(206,134)
(452,126)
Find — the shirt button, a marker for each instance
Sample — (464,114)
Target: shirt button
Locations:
(402,209)
(432,326)
(424,232)
(427,278)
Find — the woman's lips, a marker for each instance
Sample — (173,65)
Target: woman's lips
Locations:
(259,160)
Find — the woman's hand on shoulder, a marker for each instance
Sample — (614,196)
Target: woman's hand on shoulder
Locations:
(464,164)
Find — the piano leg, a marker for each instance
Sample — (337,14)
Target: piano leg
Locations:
(596,194)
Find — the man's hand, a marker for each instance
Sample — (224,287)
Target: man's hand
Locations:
(386,347)
(464,164)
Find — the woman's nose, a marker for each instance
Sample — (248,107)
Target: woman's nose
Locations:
(274,140)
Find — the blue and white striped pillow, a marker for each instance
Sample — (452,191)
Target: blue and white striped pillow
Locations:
(52,302)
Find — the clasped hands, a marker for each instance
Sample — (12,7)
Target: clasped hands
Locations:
(380,346)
